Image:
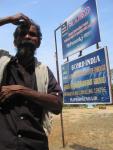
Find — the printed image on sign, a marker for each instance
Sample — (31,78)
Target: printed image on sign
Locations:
(80,30)
(86,80)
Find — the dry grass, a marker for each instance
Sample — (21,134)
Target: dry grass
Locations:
(84,129)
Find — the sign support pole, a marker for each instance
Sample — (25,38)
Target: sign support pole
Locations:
(58,78)
(97,46)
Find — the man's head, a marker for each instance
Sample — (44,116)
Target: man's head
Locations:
(27,37)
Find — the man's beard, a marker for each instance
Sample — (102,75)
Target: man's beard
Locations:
(26,48)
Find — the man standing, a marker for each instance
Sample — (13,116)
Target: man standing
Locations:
(28,91)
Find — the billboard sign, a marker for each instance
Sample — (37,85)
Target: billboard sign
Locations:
(86,79)
(80,30)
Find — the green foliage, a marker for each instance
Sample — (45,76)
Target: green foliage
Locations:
(74,106)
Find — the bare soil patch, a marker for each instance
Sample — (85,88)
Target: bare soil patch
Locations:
(84,129)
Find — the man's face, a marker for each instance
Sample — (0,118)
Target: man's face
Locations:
(27,39)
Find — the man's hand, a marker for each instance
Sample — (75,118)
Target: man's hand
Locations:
(10,90)
(18,18)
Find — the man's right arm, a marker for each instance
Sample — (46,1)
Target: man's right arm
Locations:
(5,20)
(15,19)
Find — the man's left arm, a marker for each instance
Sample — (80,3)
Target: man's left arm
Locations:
(52,101)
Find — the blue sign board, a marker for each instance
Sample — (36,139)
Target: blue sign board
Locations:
(80,30)
(86,80)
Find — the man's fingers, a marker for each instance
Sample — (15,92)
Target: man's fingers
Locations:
(3,96)
(20,19)
(24,18)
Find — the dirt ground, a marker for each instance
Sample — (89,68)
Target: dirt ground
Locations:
(84,129)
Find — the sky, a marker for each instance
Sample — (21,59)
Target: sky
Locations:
(49,14)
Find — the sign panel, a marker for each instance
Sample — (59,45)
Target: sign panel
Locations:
(80,30)
(86,80)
